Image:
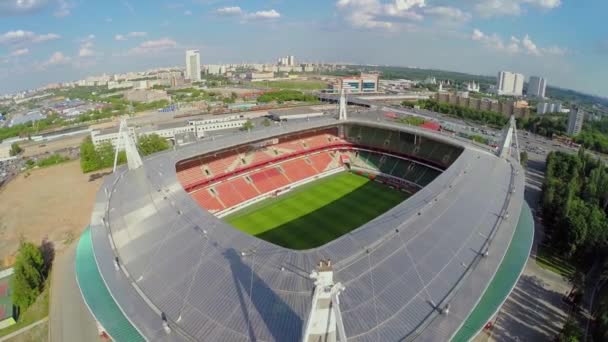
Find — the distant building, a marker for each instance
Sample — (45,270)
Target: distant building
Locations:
(366,83)
(27,118)
(193,65)
(473,87)
(259,76)
(216,69)
(575,121)
(517,108)
(537,86)
(548,107)
(509,83)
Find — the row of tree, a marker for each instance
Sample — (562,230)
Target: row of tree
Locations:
(281,96)
(96,158)
(481,116)
(574,208)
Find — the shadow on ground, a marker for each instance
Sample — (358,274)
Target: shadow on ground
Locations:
(532,313)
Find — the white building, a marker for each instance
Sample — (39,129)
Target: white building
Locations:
(537,86)
(575,121)
(193,65)
(472,86)
(509,83)
(548,107)
(216,69)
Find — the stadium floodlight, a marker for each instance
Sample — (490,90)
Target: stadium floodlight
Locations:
(325,321)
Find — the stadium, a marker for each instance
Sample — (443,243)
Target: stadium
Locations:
(217,241)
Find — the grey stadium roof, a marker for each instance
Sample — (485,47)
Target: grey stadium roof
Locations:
(179,259)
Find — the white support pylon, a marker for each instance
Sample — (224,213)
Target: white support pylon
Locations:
(324,321)
(510,134)
(342,113)
(124,138)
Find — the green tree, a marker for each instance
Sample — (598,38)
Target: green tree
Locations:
(151,143)
(28,279)
(523,157)
(571,332)
(15,150)
(266,122)
(247,126)
(89,159)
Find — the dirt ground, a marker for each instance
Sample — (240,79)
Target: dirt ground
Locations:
(37,148)
(53,203)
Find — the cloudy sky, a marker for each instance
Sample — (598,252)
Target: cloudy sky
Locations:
(566,41)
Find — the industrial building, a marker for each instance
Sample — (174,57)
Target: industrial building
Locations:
(575,121)
(171,131)
(259,76)
(366,83)
(294,113)
(193,65)
(537,86)
(509,83)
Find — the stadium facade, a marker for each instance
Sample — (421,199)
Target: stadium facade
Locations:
(158,264)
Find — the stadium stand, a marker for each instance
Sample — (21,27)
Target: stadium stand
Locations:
(256,171)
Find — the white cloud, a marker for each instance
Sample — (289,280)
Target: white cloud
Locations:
(229,11)
(153,46)
(448,13)
(19,7)
(492,8)
(24,37)
(20,52)
(379,14)
(236,11)
(122,37)
(86,46)
(64,9)
(56,58)
(271,14)
(515,45)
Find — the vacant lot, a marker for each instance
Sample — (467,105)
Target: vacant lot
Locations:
(53,203)
(296,84)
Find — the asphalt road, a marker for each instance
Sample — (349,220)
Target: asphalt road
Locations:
(69,318)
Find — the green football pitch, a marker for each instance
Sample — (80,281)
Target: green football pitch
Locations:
(318,212)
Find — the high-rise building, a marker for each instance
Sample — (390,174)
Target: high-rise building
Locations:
(548,107)
(575,121)
(510,83)
(193,65)
(292,61)
(537,86)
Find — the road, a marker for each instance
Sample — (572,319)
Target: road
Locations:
(70,319)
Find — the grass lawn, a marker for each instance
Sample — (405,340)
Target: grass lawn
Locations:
(317,213)
(549,259)
(36,312)
(297,85)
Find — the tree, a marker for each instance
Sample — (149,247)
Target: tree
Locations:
(266,122)
(28,279)
(571,332)
(248,125)
(523,157)
(15,150)
(151,143)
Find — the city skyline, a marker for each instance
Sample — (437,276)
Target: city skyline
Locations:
(46,41)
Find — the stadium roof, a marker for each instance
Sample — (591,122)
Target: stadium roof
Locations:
(215,282)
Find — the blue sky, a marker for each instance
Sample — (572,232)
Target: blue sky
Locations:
(566,41)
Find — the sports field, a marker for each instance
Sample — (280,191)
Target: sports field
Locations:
(317,213)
